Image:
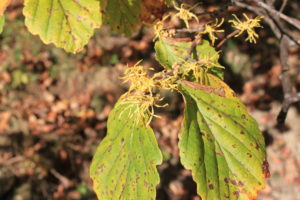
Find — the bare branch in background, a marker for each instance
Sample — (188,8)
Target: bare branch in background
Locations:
(272,18)
(289,91)
(227,38)
(283,5)
(290,20)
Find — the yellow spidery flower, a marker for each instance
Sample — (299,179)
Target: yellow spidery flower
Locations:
(185,14)
(138,78)
(210,61)
(159,29)
(211,30)
(247,26)
(199,68)
(140,94)
(141,106)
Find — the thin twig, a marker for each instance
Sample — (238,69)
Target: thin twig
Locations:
(67,183)
(272,18)
(294,22)
(290,94)
(260,12)
(222,8)
(186,30)
(283,5)
(227,38)
(274,23)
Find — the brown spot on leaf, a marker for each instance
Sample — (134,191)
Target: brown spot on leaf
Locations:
(241,184)
(233,182)
(242,132)
(211,186)
(226,180)
(243,191)
(208,89)
(257,146)
(243,116)
(236,194)
(266,169)
(219,153)
(145,183)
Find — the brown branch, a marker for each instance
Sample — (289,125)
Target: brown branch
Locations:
(272,18)
(283,5)
(290,94)
(222,8)
(186,30)
(274,23)
(260,12)
(227,38)
(294,22)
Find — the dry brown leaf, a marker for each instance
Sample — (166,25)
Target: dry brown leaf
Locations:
(152,11)
(4,119)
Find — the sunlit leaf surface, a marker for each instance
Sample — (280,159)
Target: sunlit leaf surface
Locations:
(124,166)
(123,16)
(221,144)
(68,24)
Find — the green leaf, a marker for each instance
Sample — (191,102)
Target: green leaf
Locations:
(124,166)
(68,24)
(123,16)
(169,3)
(169,52)
(2,22)
(221,144)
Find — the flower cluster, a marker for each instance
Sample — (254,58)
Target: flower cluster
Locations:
(140,94)
(211,30)
(198,69)
(185,14)
(247,26)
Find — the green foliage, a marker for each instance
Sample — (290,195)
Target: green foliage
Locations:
(124,166)
(122,15)
(170,2)
(169,52)
(2,22)
(66,23)
(221,144)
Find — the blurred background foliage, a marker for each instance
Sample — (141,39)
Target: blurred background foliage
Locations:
(54,107)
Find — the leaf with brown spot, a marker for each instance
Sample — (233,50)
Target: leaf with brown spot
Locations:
(168,52)
(125,161)
(219,158)
(123,16)
(69,24)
